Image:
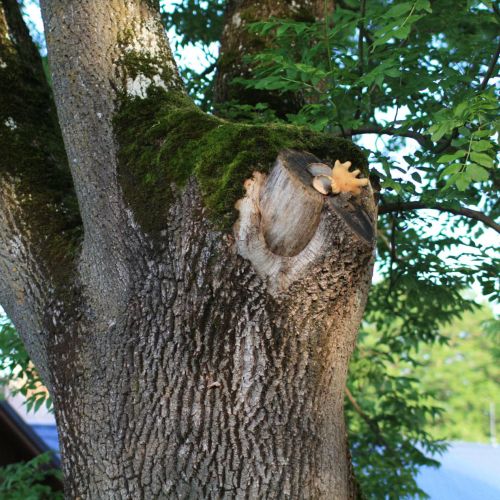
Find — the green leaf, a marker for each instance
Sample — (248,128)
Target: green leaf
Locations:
(462,182)
(416,177)
(451,169)
(39,402)
(483,133)
(379,81)
(451,157)
(398,10)
(461,108)
(380,40)
(477,173)
(393,72)
(423,5)
(438,130)
(482,158)
(481,145)
(402,32)
(282,29)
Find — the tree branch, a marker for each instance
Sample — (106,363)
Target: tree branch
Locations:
(238,42)
(96,65)
(372,424)
(282,227)
(361,28)
(38,216)
(444,144)
(416,205)
(208,69)
(358,409)
(491,67)
(379,129)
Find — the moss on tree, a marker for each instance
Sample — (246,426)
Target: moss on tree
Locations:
(165,139)
(32,158)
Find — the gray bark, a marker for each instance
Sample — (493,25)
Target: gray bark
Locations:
(197,364)
(87,42)
(214,384)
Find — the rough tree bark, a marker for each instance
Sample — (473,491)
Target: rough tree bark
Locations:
(186,357)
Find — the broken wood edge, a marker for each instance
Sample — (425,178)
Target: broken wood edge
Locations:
(290,207)
(255,234)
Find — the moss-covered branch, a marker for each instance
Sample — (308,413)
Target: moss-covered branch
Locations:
(165,139)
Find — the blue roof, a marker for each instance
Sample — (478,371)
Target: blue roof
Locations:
(48,433)
(469,471)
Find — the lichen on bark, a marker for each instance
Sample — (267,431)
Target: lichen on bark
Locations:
(165,139)
(144,60)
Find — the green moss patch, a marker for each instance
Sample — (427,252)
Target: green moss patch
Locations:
(165,139)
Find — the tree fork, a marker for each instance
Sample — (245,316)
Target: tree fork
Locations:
(196,361)
(228,372)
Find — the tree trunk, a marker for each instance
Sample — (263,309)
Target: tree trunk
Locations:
(186,359)
(218,381)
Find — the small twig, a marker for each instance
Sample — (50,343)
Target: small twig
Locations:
(385,240)
(371,423)
(393,256)
(417,205)
(394,227)
(358,408)
(361,27)
(208,69)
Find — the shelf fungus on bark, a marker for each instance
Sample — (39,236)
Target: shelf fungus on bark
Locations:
(336,180)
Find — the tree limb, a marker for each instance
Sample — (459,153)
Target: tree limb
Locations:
(491,67)
(102,53)
(375,128)
(416,205)
(38,216)
(238,42)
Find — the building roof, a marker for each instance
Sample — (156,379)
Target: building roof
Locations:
(19,441)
